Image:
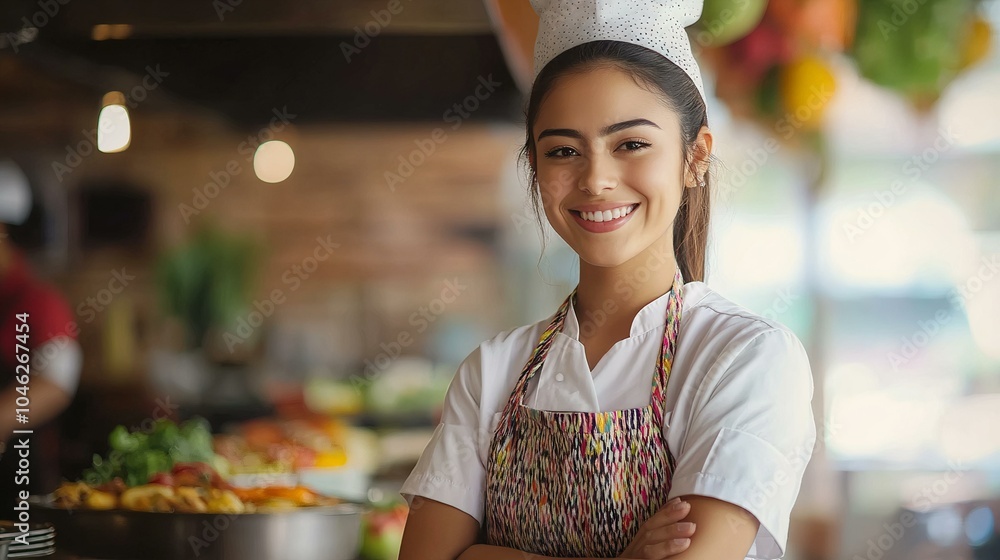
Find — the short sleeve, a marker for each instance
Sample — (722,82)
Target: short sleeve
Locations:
(751,434)
(450,469)
(60,360)
(49,315)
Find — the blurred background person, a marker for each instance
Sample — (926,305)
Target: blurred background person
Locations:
(53,355)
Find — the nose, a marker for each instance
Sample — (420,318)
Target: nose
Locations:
(599,174)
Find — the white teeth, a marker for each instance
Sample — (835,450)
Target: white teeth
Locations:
(607,215)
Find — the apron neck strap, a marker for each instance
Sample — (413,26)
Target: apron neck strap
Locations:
(664,361)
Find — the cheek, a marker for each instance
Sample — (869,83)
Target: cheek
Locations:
(555,183)
(656,179)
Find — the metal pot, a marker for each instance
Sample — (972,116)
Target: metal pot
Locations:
(307,533)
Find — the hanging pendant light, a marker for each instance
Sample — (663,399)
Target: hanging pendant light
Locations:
(114,132)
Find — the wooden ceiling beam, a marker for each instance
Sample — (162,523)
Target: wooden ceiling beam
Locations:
(178,18)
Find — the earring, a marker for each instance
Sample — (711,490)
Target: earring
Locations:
(701,182)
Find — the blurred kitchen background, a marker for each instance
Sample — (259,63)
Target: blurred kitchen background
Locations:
(296,218)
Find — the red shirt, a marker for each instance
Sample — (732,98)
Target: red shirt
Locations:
(49,316)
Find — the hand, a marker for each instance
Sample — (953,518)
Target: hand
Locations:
(662,536)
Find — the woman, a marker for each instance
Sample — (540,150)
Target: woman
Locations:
(551,441)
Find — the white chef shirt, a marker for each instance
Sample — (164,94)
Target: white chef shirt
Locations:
(738,406)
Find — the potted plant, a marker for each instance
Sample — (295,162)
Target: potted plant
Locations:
(204,287)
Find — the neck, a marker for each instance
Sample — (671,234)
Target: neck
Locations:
(608,298)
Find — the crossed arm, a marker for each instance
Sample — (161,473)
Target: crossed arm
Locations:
(436,531)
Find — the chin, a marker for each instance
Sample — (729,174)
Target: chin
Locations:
(605,258)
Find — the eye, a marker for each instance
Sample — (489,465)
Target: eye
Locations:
(559,152)
(634,145)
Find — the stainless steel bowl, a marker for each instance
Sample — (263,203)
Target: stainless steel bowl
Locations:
(308,533)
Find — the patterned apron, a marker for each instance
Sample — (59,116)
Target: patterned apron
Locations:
(579,484)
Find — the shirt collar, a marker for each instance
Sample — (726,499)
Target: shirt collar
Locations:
(651,316)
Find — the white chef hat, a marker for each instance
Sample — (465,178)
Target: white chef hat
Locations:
(654,24)
(15,194)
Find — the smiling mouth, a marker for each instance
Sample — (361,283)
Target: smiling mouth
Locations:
(606,215)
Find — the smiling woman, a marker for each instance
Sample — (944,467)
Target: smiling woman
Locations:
(579,170)
(649,417)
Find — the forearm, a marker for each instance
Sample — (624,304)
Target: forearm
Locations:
(489,552)
(45,401)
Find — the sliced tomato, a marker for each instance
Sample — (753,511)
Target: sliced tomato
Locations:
(162,478)
(193,466)
(198,474)
(304,457)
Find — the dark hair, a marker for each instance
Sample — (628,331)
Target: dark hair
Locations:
(652,70)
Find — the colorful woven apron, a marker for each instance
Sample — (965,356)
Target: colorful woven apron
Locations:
(579,484)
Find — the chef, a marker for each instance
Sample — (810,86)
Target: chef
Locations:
(649,416)
(37,345)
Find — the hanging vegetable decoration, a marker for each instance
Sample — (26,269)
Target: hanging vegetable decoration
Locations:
(917,48)
(725,21)
(773,61)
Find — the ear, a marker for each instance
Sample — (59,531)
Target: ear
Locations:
(699,158)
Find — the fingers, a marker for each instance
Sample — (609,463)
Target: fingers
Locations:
(664,533)
(672,512)
(665,549)
(677,546)
(673,531)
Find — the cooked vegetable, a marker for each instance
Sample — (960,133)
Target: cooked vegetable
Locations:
(136,457)
(150,497)
(100,500)
(201,498)
(173,468)
(164,479)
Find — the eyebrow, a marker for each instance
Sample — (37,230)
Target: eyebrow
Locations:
(610,129)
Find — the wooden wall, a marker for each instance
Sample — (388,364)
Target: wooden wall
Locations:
(397,246)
